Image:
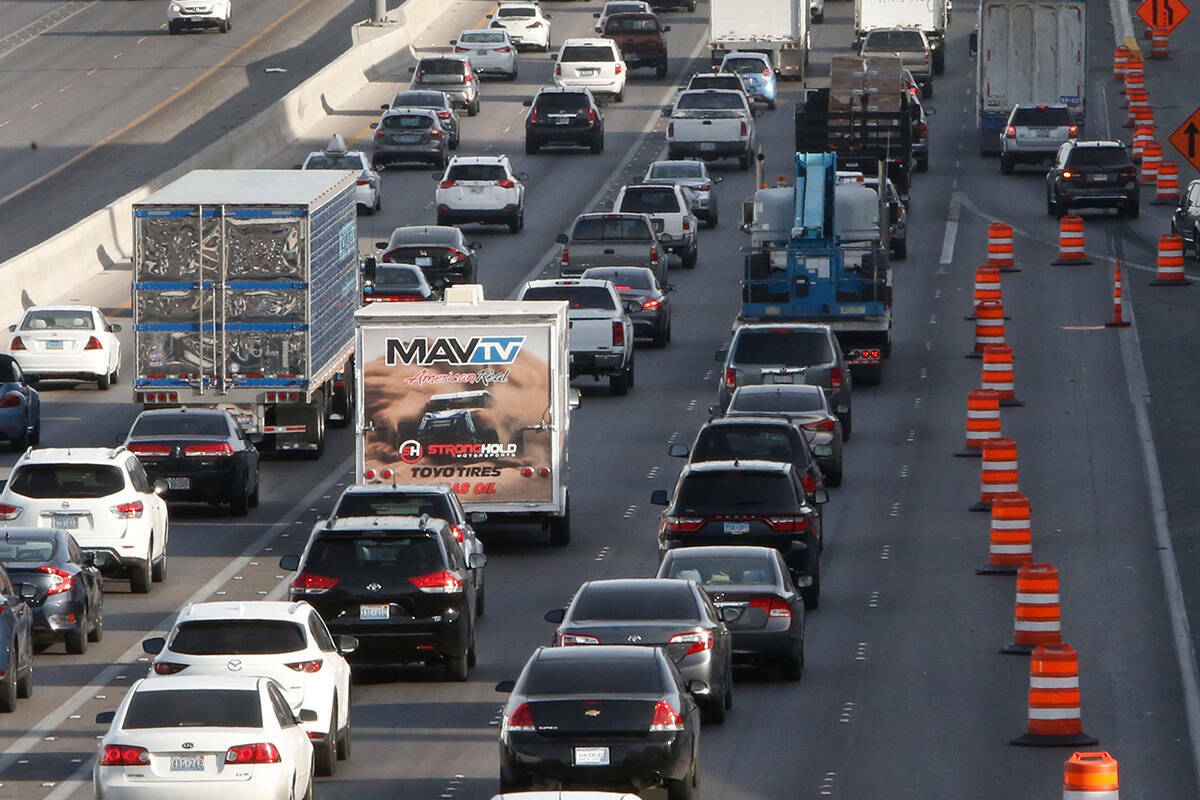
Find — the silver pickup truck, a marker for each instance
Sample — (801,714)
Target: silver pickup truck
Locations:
(911,45)
(612,240)
(711,124)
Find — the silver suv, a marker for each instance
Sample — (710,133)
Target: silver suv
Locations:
(913,48)
(1033,134)
(450,74)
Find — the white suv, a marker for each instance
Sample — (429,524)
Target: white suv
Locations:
(483,189)
(592,63)
(669,205)
(182,14)
(103,498)
(285,641)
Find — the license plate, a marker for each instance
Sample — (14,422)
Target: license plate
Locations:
(54,344)
(1042,134)
(780,379)
(187,763)
(409,139)
(591,756)
(854,309)
(373,612)
(423,261)
(708,145)
(737,527)
(66,521)
(1098,178)
(587,73)
(562,120)
(179,483)
(476,189)
(483,52)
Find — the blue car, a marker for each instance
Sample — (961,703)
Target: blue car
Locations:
(756,73)
(16,642)
(20,407)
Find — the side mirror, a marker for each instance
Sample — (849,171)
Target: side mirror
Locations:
(666,28)
(346,644)
(930,111)
(88,558)
(821,496)
(973,43)
(555,615)
(476,517)
(381,245)
(527,102)
(729,613)
(454,41)
(596,14)
(476,560)
(722,352)
(487,16)
(153,646)
(12,327)
(290,562)
(506,687)
(716,178)
(384,107)
(373,125)
(632,306)
(522,176)
(412,69)
(679,451)
(665,111)
(715,411)
(160,487)
(306,715)
(697,688)
(437,176)
(561,238)
(28,591)
(476,245)
(659,497)
(105,717)
(114,328)
(758,112)
(297,166)
(34,380)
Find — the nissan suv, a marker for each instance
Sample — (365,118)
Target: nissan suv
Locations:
(1033,134)
(1092,174)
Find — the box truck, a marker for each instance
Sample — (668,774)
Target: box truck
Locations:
(778,28)
(931,16)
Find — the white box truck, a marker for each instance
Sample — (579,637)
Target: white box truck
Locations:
(1028,52)
(777,28)
(931,16)
(473,393)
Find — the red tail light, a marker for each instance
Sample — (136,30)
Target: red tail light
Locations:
(731,378)
(443,115)
(1073,132)
(308,583)
(618,334)
(307,667)
(59,581)
(654,255)
(447,184)
(835,377)
(565,258)
(443,582)
(9,512)
(1011,133)
(558,69)
(16,344)
(670,129)
(704,187)
(665,718)
(787,524)
(456,255)
(1067,174)
(684,524)
(507,184)
(208,450)
(168,667)
(809,482)
(505,49)
(93,344)
(617,69)
(591,115)
(687,224)
(257,753)
(826,424)
(574,639)
(533,115)
(649,305)
(364,181)
(520,720)
(122,755)
(1127,173)
(745,129)
(774,606)
(128,510)
(922,130)
(379,133)
(435,133)
(458,48)
(460,533)
(10,400)
(766,73)
(697,641)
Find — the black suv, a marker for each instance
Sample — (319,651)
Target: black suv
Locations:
(398,584)
(564,115)
(1092,174)
(745,503)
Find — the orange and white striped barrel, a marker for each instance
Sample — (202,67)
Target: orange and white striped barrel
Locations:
(1166,186)
(1011,542)
(1070,241)
(1160,43)
(1141,135)
(987,284)
(1054,698)
(1151,156)
(1091,776)
(983,419)
(1170,261)
(1141,115)
(989,325)
(1137,98)
(997,373)
(1134,79)
(1037,614)
(998,471)
(1121,55)
(1000,246)
(1118,316)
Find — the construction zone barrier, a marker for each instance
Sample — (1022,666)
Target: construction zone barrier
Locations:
(1141,135)
(1054,699)
(1090,776)
(983,420)
(987,286)
(1010,545)
(1166,187)
(1118,317)
(1136,99)
(1134,79)
(1071,250)
(989,326)
(1151,156)
(1000,247)
(1170,262)
(1121,58)
(997,373)
(998,471)
(1037,614)
(1160,43)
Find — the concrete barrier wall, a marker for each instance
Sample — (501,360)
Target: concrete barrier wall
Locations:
(103,239)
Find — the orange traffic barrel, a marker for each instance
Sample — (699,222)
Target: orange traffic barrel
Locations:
(1070,241)
(1118,318)
(1141,115)
(1000,247)
(1134,79)
(1090,776)
(1151,155)
(997,373)
(1010,545)
(998,471)
(1121,55)
(1137,99)
(1037,614)
(989,326)
(1170,262)
(1141,135)
(983,420)
(1166,187)
(1159,43)
(1054,699)
(987,286)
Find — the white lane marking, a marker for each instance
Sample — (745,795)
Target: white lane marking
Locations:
(63,419)
(39,21)
(951,234)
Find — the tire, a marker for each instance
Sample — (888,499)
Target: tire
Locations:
(1049,205)
(689,260)
(511,76)
(326,755)
(1060,209)
(630,375)
(927,92)
(681,789)
(662,337)
(900,250)
(473,108)
(517,222)
(103,382)
(253,499)
(619,97)
(115,377)
(239,504)
(818,18)
(442,220)
(1006,165)
(846,427)
(812,594)
(833,478)
(25,684)
(8,688)
(97,631)
(531,146)
(139,579)
(939,63)
(793,668)
(454,143)
(224,28)
(158,571)
(660,71)
(343,743)
(618,383)
(480,606)
(744,163)
(77,640)
(172,28)
(770,105)
(472,655)
(378,203)
(560,528)
(596,145)
(923,164)
(1133,210)
(456,668)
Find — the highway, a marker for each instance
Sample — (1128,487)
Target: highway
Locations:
(904,694)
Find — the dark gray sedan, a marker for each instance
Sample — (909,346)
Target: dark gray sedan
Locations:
(65,591)
(653,321)
(410,134)
(438,102)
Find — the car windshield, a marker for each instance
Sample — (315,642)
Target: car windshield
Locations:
(395,504)
(31,550)
(194,708)
(776,399)
(334,161)
(744,65)
(894,40)
(482,37)
(555,102)
(735,491)
(641,600)
(1042,115)
(782,346)
(725,443)
(407,122)
(441,66)
(605,675)
(476,172)
(709,100)
(58,320)
(650,201)
(180,425)
(397,277)
(68,481)
(243,637)
(419,100)
(515,11)
(721,569)
(1098,157)
(343,555)
(623,8)
(576,296)
(599,229)
(685,170)
(622,278)
(583,52)
(624,24)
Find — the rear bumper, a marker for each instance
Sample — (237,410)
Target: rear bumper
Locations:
(758,646)
(596,363)
(433,153)
(204,484)
(544,762)
(495,216)
(407,643)
(56,616)
(579,134)
(265,782)
(81,366)
(112,563)
(707,150)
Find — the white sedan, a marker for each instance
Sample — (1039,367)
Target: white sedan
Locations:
(489,51)
(525,23)
(204,738)
(482,189)
(67,342)
(369,192)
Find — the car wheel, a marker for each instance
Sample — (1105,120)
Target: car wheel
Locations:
(1195,255)
(343,743)
(473,107)
(254,495)
(103,382)
(596,145)
(172,28)
(928,91)
(456,668)
(158,571)
(8,689)
(139,576)
(923,164)
(714,215)
(629,373)
(1133,209)
(326,754)
(442,219)
(512,76)
(770,105)
(662,336)
(517,222)
(77,640)
(900,249)
(833,477)
(1060,208)
(472,655)
(239,504)
(681,789)
(660,71)
(97,631)
(793,668)
(690,258)
(1006,165)
(454,143)
(744,162)
(531,146)
(620,96)
(225,26)
(729,687)
(560,527)
(480,606)
(25,684)
(812,592)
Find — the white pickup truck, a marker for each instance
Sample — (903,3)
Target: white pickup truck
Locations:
(601,333)
(711,124)
(669,204)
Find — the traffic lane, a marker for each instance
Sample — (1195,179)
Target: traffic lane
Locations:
(311,35)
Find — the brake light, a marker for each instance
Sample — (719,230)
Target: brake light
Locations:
(684,524)
(534,25)
(1068,174)
(558,69)
(123,755)
(704,187)
(128,510)
(460,533)
(787,524)
(573,639)
(649,305)
(774,606)
(10,400)
(1128,173)
(458,48)
(565,257)
(697,641)
(835,377)
(93,344)
(520,720)
(168,667)
(766,73)
(617,69)
(533,115)
(670,129)
(443,115)
(687,224)
(745,129)
(654,255)
(665,718)
(59,581)
(443,582)
(364,181)
(1011,133)
(9,512)
(922,130)
(308,583)
(435,133)
(820,425)
(379,133)
(16,344)
(208,450)
(257,753)
(731,378)
(457,255)
(507,184)
(809,483)
(447,184)
(505,49)
(1073,132)
(307,667)
(591,115)
(927,59)
(618,334)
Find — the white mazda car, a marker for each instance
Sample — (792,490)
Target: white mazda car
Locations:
(67,342)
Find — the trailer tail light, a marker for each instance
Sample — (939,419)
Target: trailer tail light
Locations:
(835,377)
(774,606)
(697,641)
(731,378)
(787,524)
(684,524)
(283,397)
(618,334)
(16,344)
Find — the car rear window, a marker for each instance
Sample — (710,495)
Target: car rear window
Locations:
(476,172)
(326,161)
(576,296)
(194,708)
(58,320)
(721,569)
(715,82)
(515,11)
(69,481)
(721,101)
(735,492)
(726,443)
(180,425)
(776,400)
(407,122)
(604,675)
(784,346)
(1098,157)
(580,52)
(623,24)
(483,37)
(622,279)
(417,236)
(31,550)
(677,171)
(894,40)
(394,504)
(650,201)
(341,555)
(419,100)
(237,637)
(648,600)
(397,277)
(441,66)
(599,229)
(1041,115)
(555,102)
(744,65)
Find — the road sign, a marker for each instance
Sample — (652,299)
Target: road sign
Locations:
(1186,139)
(1163,13)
